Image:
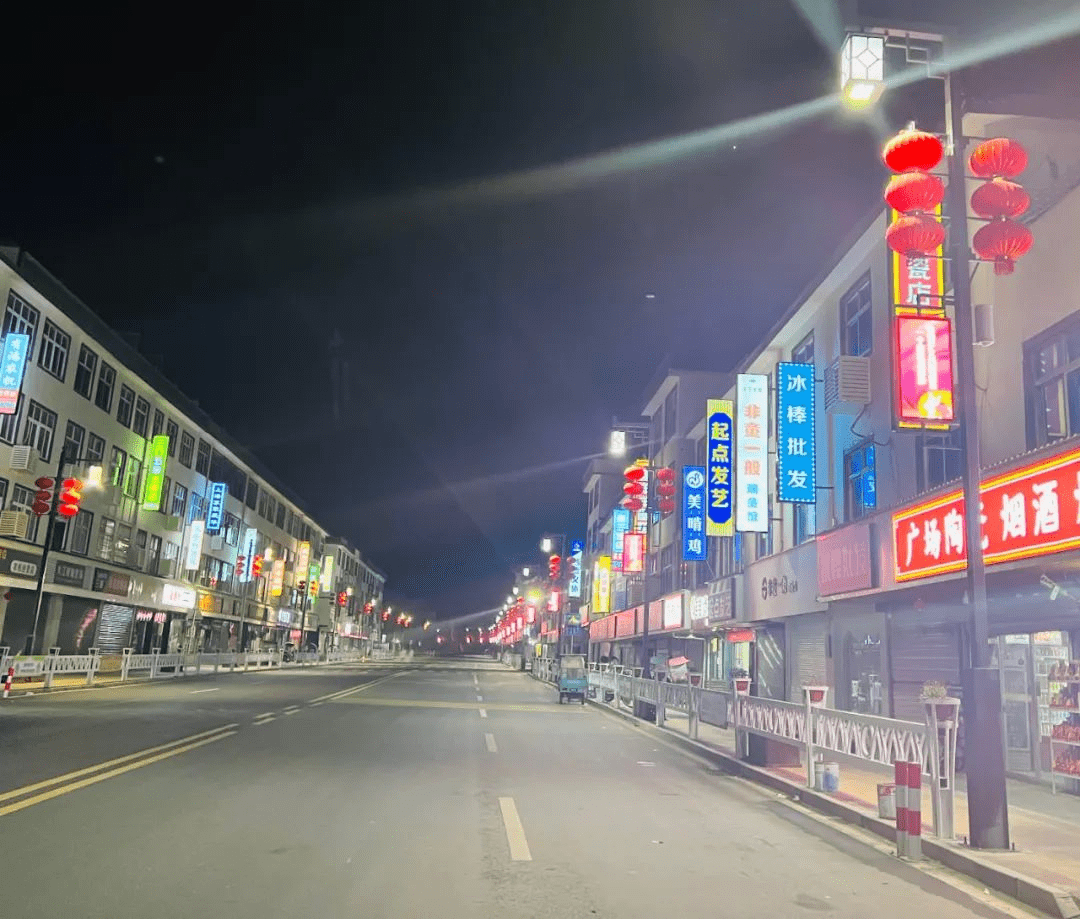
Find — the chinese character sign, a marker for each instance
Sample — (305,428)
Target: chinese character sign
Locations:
(719,434)
(693,519)
(633,554)
(752,453)
(11,371)
(796,465)
(194,546)
(1028,512)
(215,514)
(603,584)
(303,557)
(577,551)
(277,577)
(924,380)
(155,472)
(620,523)
(919,281)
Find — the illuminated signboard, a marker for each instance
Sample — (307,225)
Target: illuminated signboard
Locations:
(328,572)
(752,453)
(181,597)
(919,281)
(155,472)
(602,603)
(303,559)
(277,577)
(215,513)
(577,552)
(796,466)
(924,377)
(1028,512)
(693,518)
(246,552)
(719,430)
(633,555)
(641,518)
(673,611)
(554,602)
(11,371)
(620,524)
(194,546)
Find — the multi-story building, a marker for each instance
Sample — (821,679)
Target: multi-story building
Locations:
(157,557)
(351,590)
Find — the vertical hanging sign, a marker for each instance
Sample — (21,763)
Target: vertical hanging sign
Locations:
(12,366)
(577,551)
(796,467)
(603,584)
(719,432)
(215,513)
(620,524)
(155,472)
(752,453)
(693,519)
(194,546)
(277,577)
(634,553)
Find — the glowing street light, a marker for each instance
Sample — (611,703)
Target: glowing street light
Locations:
(617,444)
(862,69)
(545,544)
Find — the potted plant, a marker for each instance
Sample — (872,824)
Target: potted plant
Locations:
(936,693)
(741,681)
(817,688)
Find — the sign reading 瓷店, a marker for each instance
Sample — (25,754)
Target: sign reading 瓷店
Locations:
(752,453)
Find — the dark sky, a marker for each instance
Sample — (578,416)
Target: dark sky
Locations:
(243,190)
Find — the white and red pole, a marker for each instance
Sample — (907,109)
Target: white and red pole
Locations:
(8,677)
(908,809)
(900,777)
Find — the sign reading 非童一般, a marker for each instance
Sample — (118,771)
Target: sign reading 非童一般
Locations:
(796,466)
(719,428)
(752,453)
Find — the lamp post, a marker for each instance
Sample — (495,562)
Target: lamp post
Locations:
(863,80)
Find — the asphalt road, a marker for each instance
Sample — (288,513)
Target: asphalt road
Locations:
(451,791)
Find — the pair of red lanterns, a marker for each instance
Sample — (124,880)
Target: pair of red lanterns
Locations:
(916,193)
(67,504)
(634,489)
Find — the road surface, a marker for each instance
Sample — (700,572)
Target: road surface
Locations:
(451,790)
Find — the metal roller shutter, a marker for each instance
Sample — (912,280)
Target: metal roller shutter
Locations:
(918,656)
(807,648)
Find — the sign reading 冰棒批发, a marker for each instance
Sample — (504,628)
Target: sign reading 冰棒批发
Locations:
(752,453)
(719,425)
(12,366)
(620,524)
(577,551)
(693,517)
(215,512)
(796,468)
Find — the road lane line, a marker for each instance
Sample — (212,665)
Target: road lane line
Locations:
(313,704)
(483,713)
(112,773)
(359,688)
(267,715)
(479,698)
(489,739)
(56,780)
(195,692)
(515,832)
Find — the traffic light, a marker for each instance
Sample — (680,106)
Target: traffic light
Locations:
(386,615)
(301,586)
(342,599)
(241,565)
(313,588)
(43,496)
(554,567)
(665,491)
(634,487)
(256,566)
(70,498)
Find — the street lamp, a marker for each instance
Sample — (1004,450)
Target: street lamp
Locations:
(525,572)
(545,544)
(863,81)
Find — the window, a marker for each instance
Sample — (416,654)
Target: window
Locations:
(252,496)
(262,504)
(860,480)
(279,519)
(131,481)
(166,490)
(154,561)
(126,405)
(95,449)
(159,423)
(40,429)
(202,460)
(1052,365)
(117,464)
(22,499)
(3,493)
(142,416)
(803,352)
(20,317)
(187,448)
(805,522)
(172,431)
(106,386)
(106,538)
(941,458)
(55,345)
(856,318)
(84,372)
(198,508)
(74,438)
(122,544)
(670,404)
(179,500)
(9,424)
(79,529)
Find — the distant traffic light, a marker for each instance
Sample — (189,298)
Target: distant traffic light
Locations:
(256,566)
(342,599)
(43,497)
(301,587)
(554,567)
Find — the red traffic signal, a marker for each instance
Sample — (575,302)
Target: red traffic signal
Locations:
(301,586)
(70,498)
(342,599)
(241,565)
(43,496)
(368,608)
(386,615)
(257,566)
(554,567)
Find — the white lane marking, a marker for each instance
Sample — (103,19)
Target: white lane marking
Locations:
(264,719)
(313,704)
(291,710)
(515,832)
(479,698)
(195,692)
(267,715)
(489,739)
(360,688)
(483,713)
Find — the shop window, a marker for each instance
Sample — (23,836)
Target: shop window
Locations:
(856,318)
(79,530)
(40,429)
(141,418)
(863,667)
(941,458)
(126,405)
(172,431)
(860,480)
(84,372)
(55,346)
(1052,378)
(20,317)
(106,386)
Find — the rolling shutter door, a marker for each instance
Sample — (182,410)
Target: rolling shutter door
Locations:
(918,656)
(807,647)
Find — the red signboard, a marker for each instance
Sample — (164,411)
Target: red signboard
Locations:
(602,629)
(530,614)
(1027,512)
(843,559)
(738,635)
(626,622)
(924,378)
(634,553)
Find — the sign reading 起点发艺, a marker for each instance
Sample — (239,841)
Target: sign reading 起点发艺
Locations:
(719,428)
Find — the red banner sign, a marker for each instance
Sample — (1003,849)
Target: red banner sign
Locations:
(1027,512)
(634,553)
(924,380)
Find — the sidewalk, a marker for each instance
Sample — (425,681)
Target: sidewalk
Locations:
(1044,827)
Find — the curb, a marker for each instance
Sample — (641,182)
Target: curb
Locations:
(1044,897)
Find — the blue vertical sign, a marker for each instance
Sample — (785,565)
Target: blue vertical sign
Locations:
(719,430)
(215,514)
(796,467)
(11,371)
(577,551)
(694,544)
(620,524)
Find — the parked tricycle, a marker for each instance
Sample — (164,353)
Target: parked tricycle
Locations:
(573,678)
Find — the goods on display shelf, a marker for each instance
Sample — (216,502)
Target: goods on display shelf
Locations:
(1063,683)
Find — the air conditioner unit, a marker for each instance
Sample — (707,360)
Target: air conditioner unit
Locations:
(14,523)
(217,543)
(174,524)
(23,459)
(166,567)
(847,384)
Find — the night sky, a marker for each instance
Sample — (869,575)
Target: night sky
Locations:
(295,210)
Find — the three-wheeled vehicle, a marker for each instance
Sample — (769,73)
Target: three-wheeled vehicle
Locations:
(573,679)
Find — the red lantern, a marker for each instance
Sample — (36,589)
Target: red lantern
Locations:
(666,506)
(913,150)
(998,156)
(914,191)
(634,473)
(915,235)
(1000,198)
(632,504)
(1002,241)
(633,488)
